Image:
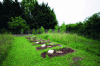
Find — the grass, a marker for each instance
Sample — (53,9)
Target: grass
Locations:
(17,51)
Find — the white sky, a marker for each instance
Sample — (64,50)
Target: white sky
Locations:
(72,11)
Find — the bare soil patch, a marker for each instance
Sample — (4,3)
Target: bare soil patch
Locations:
(59,52)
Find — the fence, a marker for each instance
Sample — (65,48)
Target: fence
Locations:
(46,30)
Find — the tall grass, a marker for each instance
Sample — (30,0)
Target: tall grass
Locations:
(75,41)
(6,41)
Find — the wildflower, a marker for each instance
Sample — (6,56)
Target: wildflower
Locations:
(60,45)
(48,39)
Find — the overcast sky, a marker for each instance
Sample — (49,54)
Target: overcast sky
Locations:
(72,11)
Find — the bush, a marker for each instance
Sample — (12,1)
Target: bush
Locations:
(42,29)
(38,30)
(46,36)
(2,30)
(33,31)
(18,22)
(22,31)
(50,31)
(56,29)
(63,28)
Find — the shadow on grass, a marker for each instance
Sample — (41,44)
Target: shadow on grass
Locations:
(4,55)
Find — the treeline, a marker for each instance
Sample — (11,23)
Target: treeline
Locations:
(33,14)
(28,14)
(89,28)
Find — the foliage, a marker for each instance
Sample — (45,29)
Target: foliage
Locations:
(63,28)
(46,36)
(2,30)
(7,11)
(17,23)
(89,28)
(31,11)
(42,29)
(50,31)
(38,30)
(56,29)
(44,16)
(33,31)
(28,31)
(22,31)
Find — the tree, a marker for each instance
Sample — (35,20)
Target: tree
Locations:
(43,16)
(7,11)
(92,26)
(27,7)
(17,23)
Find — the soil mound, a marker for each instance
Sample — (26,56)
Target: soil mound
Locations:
(60,52)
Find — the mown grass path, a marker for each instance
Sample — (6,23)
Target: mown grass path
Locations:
(23,53)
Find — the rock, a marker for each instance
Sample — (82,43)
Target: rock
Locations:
(43,45)
(48,46)
(59,52)
(50,51)
(37,42)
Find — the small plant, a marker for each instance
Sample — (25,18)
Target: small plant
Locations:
(46,43)
(10,33)
(46,36)
(6,32)
(35,39)
(57,48)
(65,47)
(52,43)
(45,51)
(39,41)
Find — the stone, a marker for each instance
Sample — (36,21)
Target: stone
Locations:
(48,46)
(59,52)
(50,51)
(43,45)
(37,42)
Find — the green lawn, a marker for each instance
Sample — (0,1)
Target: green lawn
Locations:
(23,53)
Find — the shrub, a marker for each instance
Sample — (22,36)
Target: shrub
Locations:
(42,29)
(50,31)
(38,30)
(22,31)
(2,30)
(63,28)
(18,22)
(56,29)
(46,36)
(33,31)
